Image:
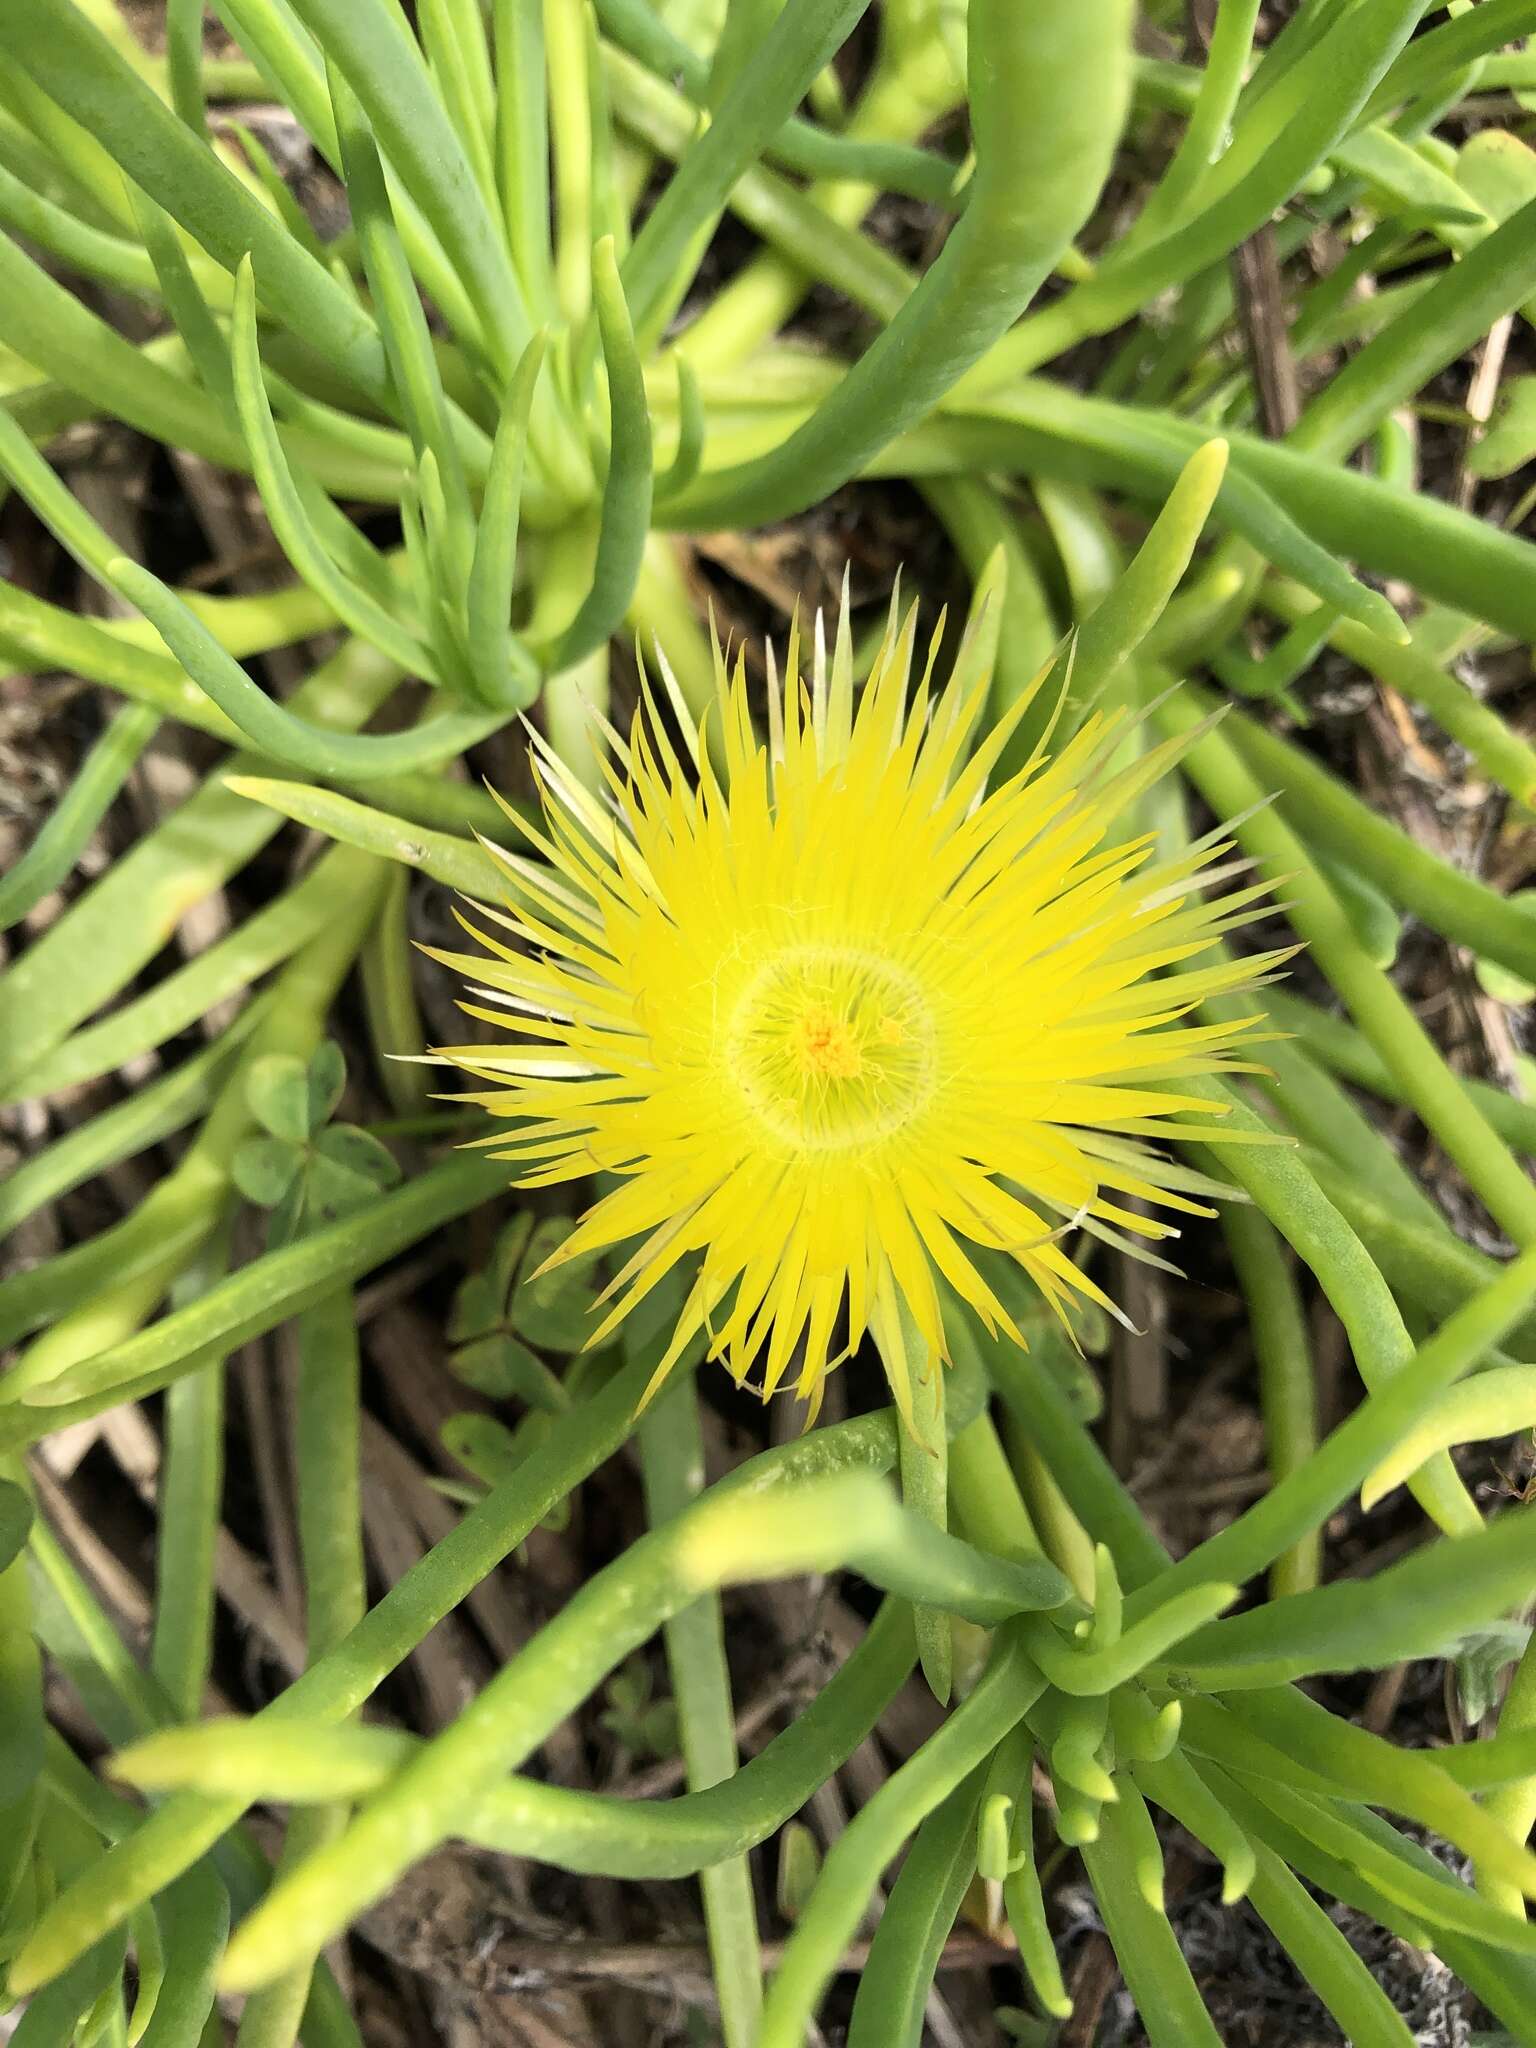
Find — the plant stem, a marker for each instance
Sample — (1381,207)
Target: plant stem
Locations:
(1287,1388)
(672,1465)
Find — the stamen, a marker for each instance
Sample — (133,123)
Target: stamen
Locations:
(832,1047)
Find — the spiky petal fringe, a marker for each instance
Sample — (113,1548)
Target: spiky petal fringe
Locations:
(841,1019)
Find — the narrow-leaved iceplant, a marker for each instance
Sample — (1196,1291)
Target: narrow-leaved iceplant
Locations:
(887,1000)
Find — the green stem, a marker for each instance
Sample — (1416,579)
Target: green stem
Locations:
(271,726)
(979,520)
(326,1458)
(992,1510)
(1205,134)
(175,1220)
(1428,1265)
(800,43)
(72,62)
(52,856)
(1326,1116)
(372,46)
(1499,751)
(672,1465)
(184,62)
(1514,1805)
(1008,1688)
(274,2016)
(565,56)
(626,502)
(1038,1406)
(1340,1049)
(63,1378)
(389,1001)
(447,857)
(1305,1498)
(915,1923)
(846,1519)
(130,1126)
(1325,1957)
(522,146)
(1273,148)
(809,241)
(1287,1388)
(1048,94)
(592,1833)
(1471,295)
(664,617)
(190,1503)
(117,926)
(126,656)
(266,940)
(1286,1193)
(171,1839)
(1380,1011)
(904,93)
(1332,818)
(916,1378)
(1145,1945)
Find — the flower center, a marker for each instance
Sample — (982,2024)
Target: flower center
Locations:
(832,1047)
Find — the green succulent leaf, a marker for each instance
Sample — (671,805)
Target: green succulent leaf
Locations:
(1205,375)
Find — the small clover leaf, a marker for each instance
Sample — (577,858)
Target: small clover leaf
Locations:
(494,1454)
(638,1723)
(503,1369)
(487,1447)
(497,1317)
(15,1522)
(326,1078)
(1479,1661)
(554,1310)
(278,1093)
(288,1217)
(476,1311)
(306,1171)
(264,1169)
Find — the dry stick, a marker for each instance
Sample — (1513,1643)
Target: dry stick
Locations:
(445,1662)
(662,1969)
(1261,305)
(1139,1390)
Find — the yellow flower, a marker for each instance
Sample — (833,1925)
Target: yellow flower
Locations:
(839,1019)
